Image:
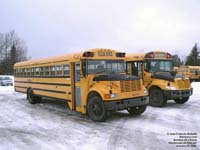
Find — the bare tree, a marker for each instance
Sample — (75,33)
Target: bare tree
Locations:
(12,50)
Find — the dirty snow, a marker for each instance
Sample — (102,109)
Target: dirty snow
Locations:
(50,126)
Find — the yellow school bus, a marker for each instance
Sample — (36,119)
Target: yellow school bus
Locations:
(191,72)
(156,70)
(93,82)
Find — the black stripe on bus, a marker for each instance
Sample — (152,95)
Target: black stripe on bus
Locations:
(21,87)
(64,100)
(42,90)
(61,92)
(43,95)
(42,76)
(60,84)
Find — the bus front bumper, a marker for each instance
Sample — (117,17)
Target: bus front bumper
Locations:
(173,94)
(126,103)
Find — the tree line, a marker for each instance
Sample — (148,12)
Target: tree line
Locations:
(12,49)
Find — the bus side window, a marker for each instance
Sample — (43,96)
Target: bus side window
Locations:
(52,70)
(66,70)
(37,71)
(47,71)
(59,70)
(32,71)
(28,72)
(41,71)
(147,66)
(77,72)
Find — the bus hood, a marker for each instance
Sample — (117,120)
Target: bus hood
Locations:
(167,76)
(115,77)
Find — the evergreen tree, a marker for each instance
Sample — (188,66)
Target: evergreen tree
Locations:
(192,59)
(177,61)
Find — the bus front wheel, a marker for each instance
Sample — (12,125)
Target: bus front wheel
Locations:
(96,109)
(137,110)
(156,98)
(181,101)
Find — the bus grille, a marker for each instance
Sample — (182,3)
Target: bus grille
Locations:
(128,86)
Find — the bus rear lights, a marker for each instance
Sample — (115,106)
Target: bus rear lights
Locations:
(88,54)
(150,55)
(120,54)
(169,55)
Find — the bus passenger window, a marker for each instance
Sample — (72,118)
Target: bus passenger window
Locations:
(25,72)
(46,71)
(28,71)
(32,71)
(59,70)
(41,71)
(52,70)
(66,70)
(37,71)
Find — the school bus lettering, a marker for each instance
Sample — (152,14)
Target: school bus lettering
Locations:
(105,53)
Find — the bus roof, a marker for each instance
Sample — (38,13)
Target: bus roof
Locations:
(73,57)
(156,54)
(135,56)
(194,67)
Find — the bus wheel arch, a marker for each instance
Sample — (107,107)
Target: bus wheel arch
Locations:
(156,97)
(32,99)
(95,107)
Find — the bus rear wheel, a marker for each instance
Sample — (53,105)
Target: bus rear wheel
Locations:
(156,98)
(137,110)
(96,109)
(30,96)
(181,101)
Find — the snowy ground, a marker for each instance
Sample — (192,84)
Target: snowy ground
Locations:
(48,126)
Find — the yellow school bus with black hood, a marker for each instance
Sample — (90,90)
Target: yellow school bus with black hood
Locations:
(92,82)
(156,70)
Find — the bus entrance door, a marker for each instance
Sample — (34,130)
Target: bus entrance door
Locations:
(77,88)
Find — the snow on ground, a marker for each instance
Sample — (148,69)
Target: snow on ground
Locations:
(48,126)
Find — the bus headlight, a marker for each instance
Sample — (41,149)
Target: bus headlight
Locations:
(113,95)
(145,91)
(171,87)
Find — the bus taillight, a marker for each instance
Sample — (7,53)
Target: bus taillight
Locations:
(150,55)
(168,55)
(120,54)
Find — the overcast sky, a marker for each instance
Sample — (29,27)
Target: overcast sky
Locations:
(55,27)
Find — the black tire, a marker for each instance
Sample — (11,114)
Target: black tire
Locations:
(156,98)
(30,96)
(181,101)
(96,109)
(137,110)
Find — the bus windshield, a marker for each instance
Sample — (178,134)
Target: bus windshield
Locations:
(104,66)
(159,66)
